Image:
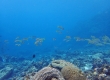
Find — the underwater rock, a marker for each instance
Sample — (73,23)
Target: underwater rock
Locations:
(5,73)
(48,73)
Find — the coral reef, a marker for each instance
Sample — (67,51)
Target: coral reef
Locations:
(101,73)
(48,73)
(72,73)
(89,61)
(68,70)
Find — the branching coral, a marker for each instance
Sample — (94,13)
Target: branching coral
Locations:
(48,73)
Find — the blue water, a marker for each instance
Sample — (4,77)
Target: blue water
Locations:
(35,32)
(41,18)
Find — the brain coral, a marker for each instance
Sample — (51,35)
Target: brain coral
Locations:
(59,64)
(72,73)
(48,73)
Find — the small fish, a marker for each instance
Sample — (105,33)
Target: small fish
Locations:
(33,56)
(25,39)
(58,31)
(19,41)
(67,38)
(60,27)
(78,39)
